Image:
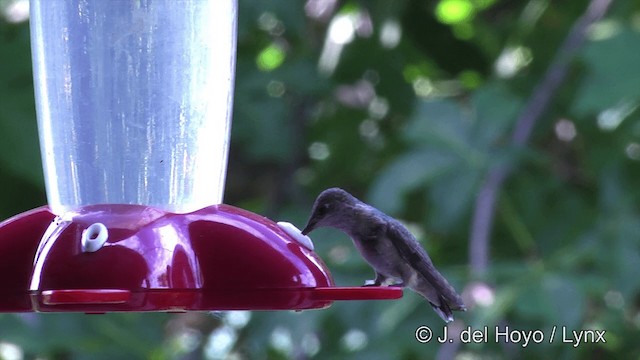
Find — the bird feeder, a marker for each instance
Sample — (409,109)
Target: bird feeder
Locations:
(134,112)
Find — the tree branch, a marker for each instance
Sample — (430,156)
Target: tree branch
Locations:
(536,105)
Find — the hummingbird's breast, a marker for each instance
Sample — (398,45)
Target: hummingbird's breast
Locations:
(384,258)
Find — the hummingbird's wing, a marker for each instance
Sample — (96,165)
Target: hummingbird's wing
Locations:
(411,251)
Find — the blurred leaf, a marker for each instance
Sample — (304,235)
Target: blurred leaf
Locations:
(439,123)
(406,173)
(496,109)
(453,144)
(452,195)
(565,301)
(89,336)
(608,80)
(19,150)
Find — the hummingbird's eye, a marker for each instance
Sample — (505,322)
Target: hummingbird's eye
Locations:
(323,209)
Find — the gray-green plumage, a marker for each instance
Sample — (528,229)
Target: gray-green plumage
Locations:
(392,251)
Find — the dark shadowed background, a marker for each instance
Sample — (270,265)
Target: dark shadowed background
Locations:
(505,134)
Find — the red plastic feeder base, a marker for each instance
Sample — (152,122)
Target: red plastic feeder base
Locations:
(106,258)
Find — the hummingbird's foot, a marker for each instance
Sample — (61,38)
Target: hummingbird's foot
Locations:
(400,284)
(380,280)
(371,283)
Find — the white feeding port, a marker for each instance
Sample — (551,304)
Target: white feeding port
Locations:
(295,233)
(94,237)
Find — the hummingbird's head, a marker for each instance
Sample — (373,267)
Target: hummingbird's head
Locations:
(330,209)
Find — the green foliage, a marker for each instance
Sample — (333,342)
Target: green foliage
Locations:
(606,71)
(452,145)
(21,177)
(411,125)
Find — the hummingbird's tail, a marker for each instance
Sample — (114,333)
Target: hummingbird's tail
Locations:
(442,302)
(443,310)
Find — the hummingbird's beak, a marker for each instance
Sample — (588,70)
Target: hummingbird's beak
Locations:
(310,226)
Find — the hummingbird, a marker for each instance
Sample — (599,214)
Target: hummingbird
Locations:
(388,246)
